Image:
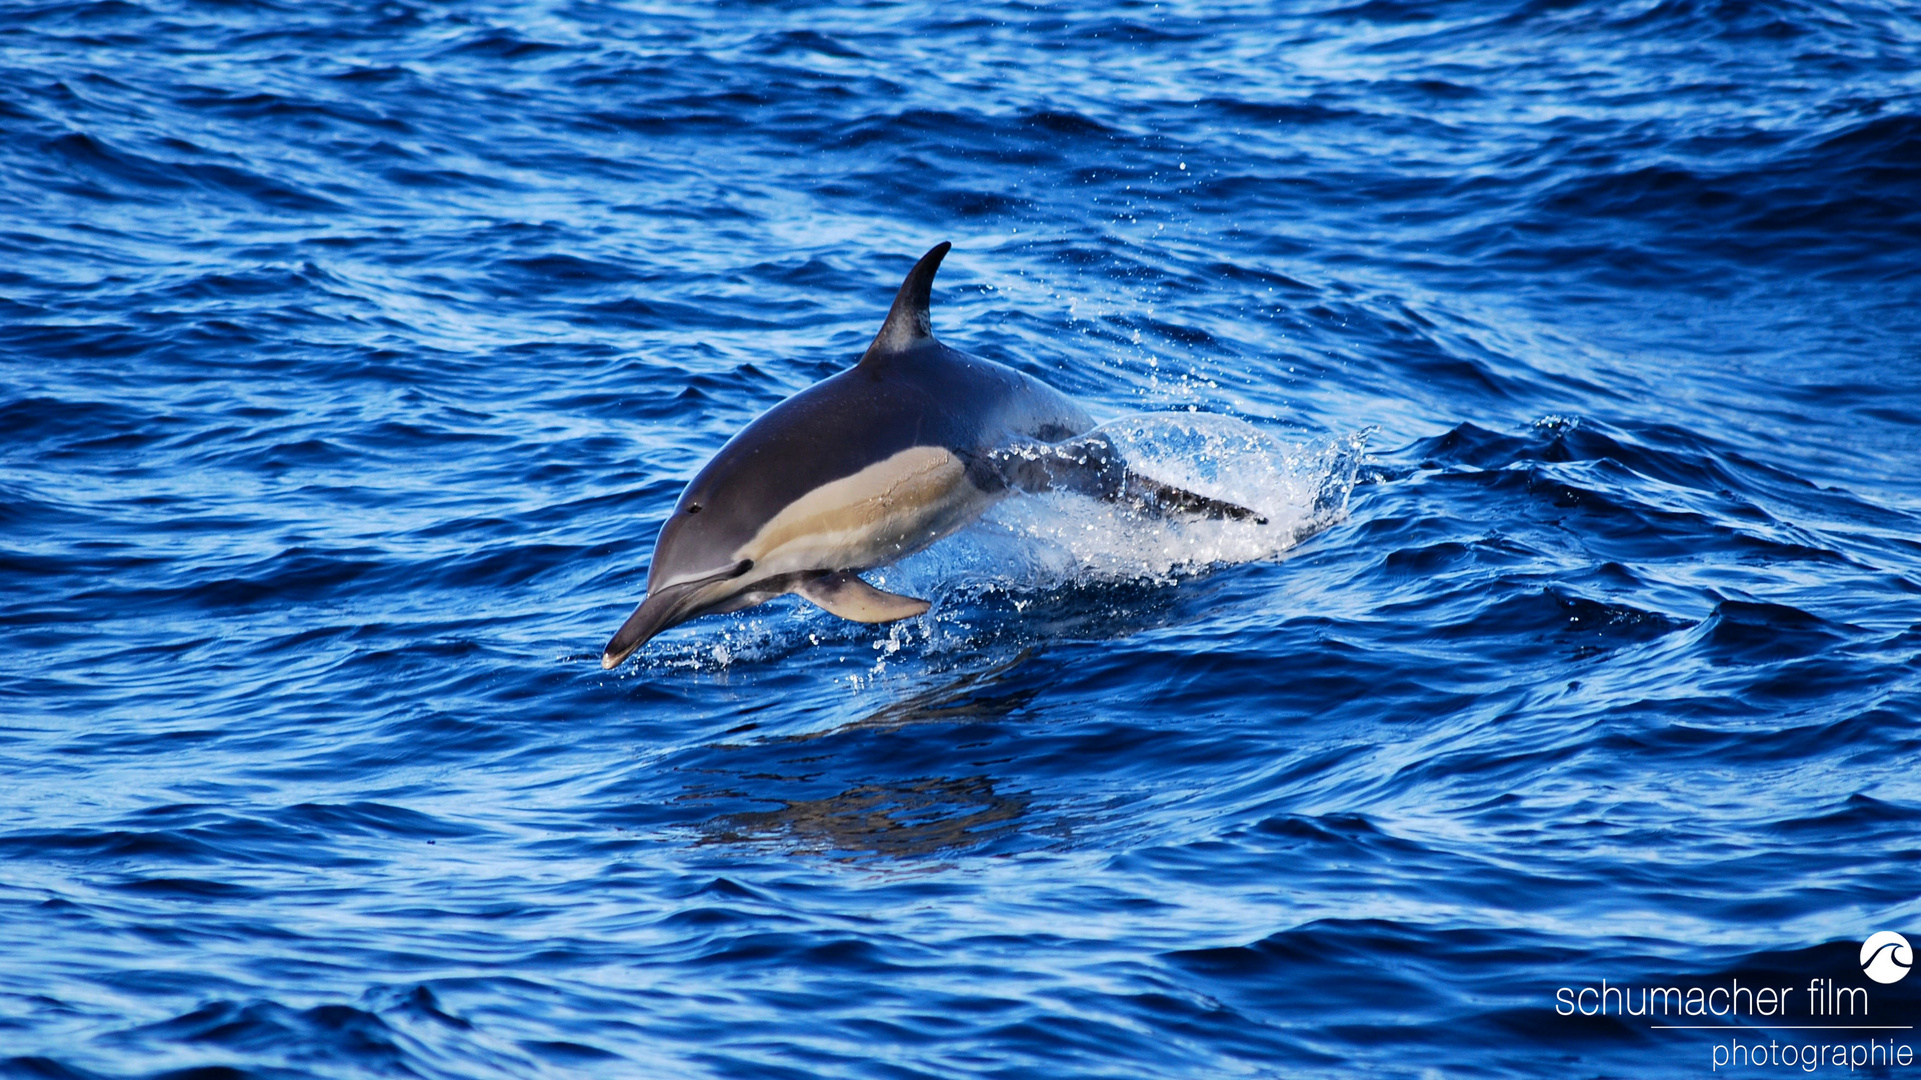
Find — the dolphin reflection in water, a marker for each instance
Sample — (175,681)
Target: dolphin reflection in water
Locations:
(869,466)
(906,818)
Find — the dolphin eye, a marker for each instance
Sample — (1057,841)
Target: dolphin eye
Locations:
(693,508)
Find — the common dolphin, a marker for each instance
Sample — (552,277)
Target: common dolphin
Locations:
(869,466)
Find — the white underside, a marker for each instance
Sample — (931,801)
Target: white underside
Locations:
(884,512)
(887,511)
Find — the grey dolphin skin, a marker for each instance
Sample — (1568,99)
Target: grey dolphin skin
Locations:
(869,466)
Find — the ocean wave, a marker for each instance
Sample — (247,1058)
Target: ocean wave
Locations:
(352,358)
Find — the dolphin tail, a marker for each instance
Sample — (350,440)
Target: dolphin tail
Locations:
(1150,494)
(1092,465)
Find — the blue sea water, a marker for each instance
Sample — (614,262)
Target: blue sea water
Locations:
(351,356)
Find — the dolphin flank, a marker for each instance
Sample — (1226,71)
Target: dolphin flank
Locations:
(869,466)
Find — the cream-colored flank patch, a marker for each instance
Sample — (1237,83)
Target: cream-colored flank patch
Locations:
(880,513)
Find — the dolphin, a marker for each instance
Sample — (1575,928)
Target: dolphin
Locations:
(869,466)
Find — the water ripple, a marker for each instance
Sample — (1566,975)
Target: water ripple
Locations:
(353,357)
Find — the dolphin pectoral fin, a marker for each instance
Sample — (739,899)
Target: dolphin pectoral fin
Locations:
(1092,465)
(843,593)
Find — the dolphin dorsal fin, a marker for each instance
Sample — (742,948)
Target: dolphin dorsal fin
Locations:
(908,322)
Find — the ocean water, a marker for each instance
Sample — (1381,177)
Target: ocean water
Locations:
(351,356)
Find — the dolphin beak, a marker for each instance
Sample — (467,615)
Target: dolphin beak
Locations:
(670,606)
(656,613)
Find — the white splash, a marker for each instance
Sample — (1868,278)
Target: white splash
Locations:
(1043,541)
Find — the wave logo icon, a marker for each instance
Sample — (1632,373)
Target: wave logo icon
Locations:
(1886,957)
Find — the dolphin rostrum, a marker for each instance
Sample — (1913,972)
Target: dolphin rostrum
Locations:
(869,466)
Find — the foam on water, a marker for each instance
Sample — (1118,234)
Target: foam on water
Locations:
(1041,542)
